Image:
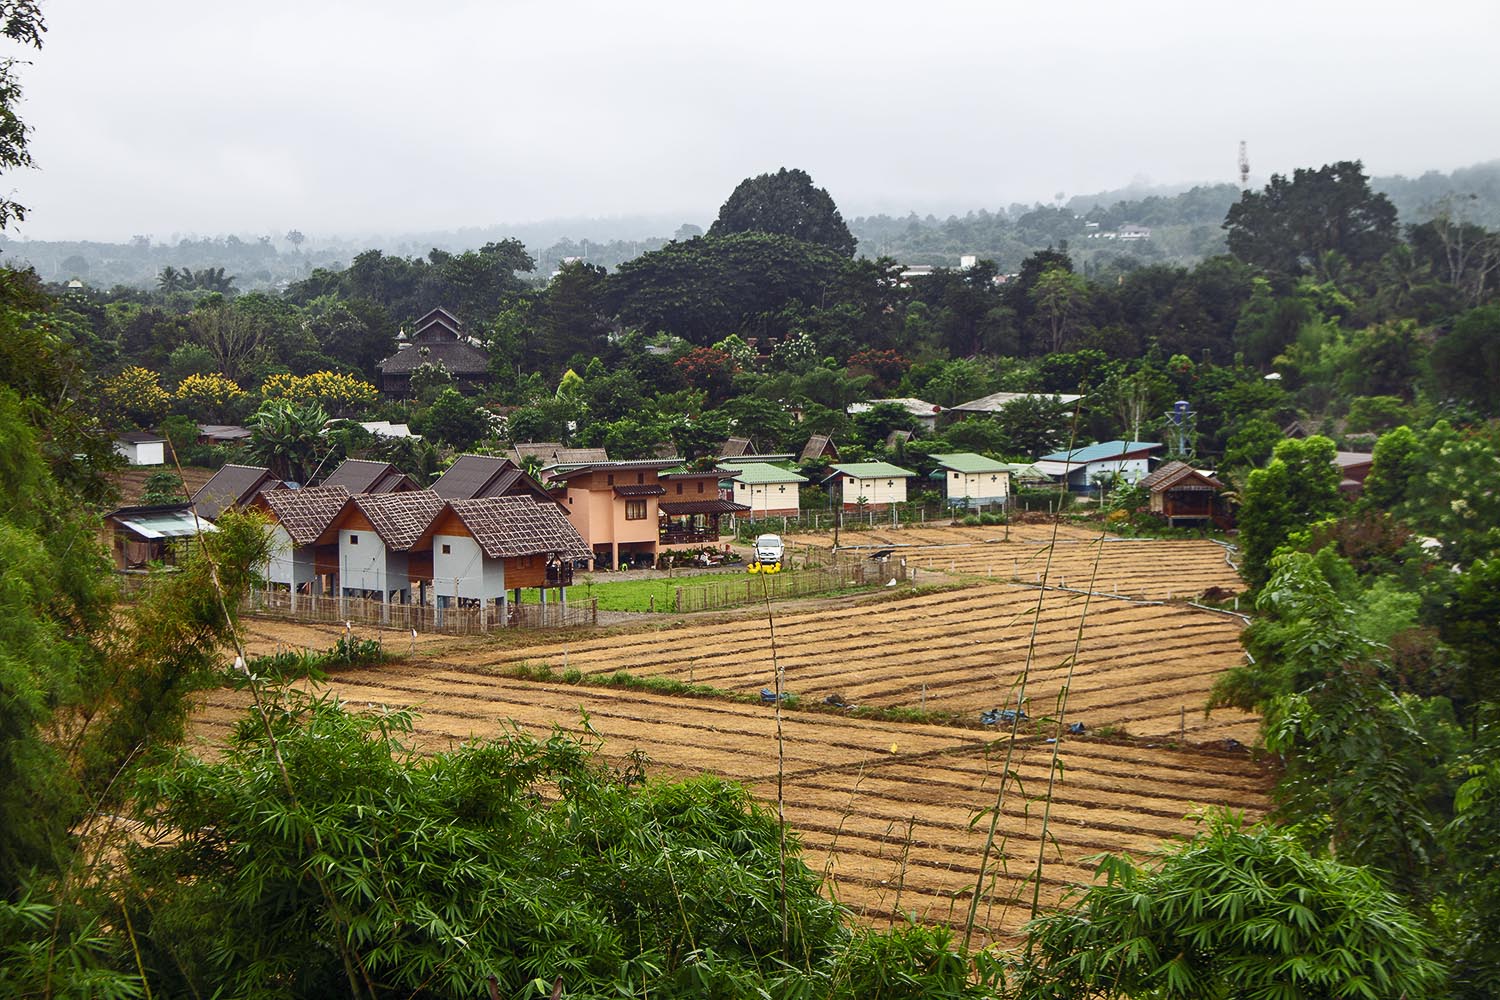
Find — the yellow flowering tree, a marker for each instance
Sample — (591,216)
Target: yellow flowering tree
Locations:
(135,395)
(339,394)
(210,397)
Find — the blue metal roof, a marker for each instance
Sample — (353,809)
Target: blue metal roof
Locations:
(1100,452)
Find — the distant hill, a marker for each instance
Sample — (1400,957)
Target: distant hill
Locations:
(1183,222)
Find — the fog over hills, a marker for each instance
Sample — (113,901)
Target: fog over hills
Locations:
(1183,221)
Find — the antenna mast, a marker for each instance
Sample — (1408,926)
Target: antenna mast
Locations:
(1244,167)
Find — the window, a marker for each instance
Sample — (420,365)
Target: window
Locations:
(700,486)
(353,539)
(679,488)
(640,479)
(609,480)
(635,510)
(447,550)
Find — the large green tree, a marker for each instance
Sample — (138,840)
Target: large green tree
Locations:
(1286,227)
(1298,487)
(785,203)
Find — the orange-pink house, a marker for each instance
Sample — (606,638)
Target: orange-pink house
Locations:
(616,508)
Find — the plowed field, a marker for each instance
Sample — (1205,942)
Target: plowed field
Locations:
(1146,668)
(885,809)
(1155,569)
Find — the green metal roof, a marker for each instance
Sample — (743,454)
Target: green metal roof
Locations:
(762,472)
(967,461)
(871,470)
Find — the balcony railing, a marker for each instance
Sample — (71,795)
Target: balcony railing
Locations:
(688,536)
(560,576)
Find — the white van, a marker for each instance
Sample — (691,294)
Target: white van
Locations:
(768,549)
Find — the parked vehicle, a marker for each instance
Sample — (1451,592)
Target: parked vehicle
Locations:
(769,550)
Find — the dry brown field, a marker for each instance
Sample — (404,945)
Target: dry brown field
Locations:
(1143,668)
(894,813)
(886,810)
(1144,568)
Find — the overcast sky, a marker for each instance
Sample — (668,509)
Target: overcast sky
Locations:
(166,118)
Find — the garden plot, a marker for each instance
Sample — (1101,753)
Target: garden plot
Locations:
(1144,568)
(1143,668)
(884,809)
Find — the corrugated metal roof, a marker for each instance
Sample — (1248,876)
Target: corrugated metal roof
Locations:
(679,508)
(996,401)
(1102,452)
(755,473)
(871,470)
(359,475)
(473,476)
(968,461)
(640,491)
(231,486)
(155,523)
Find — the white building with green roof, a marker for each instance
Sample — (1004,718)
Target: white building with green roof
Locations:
(869,485)
(769,490)
(972,480)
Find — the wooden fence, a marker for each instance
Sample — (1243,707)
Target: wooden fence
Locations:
(422,617)
(840,575)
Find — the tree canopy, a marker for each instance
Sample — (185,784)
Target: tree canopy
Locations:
(785,203)
(1293,222)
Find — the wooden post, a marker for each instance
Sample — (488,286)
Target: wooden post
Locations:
(1182,725)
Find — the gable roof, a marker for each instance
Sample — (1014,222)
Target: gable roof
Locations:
(474,476)
(400,519)
(756,473)
(140,437)
(969,462)
(223,432)
(627,465)
(358,475)
(1178,475)
(736,447)
(156,521)
(553,453)
(870,470)
(437,323)
(1102,452)
(897,437)
(817,446)
(232,486)
(506,527)
(995,401)
(305,513)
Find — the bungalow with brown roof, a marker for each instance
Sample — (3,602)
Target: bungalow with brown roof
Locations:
(377,536)
(483,547)
(296,558)
(358,475)
(1181,493)
(231,487)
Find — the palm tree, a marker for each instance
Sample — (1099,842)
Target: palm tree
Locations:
(288,438)
(172,280)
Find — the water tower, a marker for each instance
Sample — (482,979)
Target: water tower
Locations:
(1181,425)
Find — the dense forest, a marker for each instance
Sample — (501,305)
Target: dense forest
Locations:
(320,854)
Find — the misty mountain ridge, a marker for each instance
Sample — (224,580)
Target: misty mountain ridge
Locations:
(1168,223)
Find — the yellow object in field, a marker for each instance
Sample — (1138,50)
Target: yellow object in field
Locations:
(753,568)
